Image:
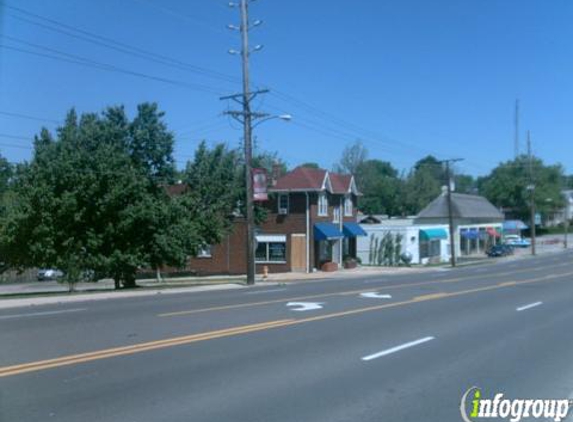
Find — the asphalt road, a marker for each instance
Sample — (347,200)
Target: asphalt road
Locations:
(392,348)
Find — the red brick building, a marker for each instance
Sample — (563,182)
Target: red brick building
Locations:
(311,221)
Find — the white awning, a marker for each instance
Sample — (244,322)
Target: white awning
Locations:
(271,238)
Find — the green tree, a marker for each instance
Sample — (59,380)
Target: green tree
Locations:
(310,165)
(379,183)
(93,197)
(507,186)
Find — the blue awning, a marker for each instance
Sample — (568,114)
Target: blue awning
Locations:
(326,231)
(433,234)
(353,230)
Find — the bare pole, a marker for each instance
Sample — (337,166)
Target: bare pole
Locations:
(531,188)
(450,209)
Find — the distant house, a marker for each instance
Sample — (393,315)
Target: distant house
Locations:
(477,222)
(311,224)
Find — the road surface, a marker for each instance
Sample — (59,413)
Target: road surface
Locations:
(391,348)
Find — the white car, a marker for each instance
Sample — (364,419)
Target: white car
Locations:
(47,274)
(516,241)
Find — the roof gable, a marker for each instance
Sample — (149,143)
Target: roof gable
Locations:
(463,206)
(302,179)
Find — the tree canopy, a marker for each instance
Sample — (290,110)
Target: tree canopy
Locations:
(507,186)
(94,198)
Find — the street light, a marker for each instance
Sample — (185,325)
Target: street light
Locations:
(284,117)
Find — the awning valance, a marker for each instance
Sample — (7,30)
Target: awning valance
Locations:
(353,230)
(492,232)
(326,231)
(277,238)
(433,234)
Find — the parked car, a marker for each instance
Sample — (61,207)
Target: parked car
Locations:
(499,250)
(48,274)
(517,241)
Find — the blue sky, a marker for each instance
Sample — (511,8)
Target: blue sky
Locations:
(407,77)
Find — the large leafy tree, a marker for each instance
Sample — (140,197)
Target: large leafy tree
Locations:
(380,185)
(507,186)
(93,197)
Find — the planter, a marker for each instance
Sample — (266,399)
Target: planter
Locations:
(329,267)
(350,263)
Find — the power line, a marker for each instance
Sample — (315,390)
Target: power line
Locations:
(28,117)
(107,42)
(25,138)
(107,67)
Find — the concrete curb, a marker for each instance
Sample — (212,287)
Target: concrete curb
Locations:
(90,297)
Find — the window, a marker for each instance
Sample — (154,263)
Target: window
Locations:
(348,206)
(283,203)
(336,213)
(271,252)
(204,251)
(430,249)
(322,205)
(271,248)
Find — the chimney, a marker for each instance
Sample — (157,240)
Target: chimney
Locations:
(276,173)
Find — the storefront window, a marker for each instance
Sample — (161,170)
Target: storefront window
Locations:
(271,252)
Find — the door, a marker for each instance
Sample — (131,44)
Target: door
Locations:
(298,252)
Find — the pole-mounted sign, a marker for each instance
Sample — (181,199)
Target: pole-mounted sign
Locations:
(260,185)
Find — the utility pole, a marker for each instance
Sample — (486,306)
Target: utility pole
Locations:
(450,209)
(516,140)
(531,188)
(246,117)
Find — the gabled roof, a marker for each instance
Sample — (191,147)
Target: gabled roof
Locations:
(340,182)
(304,179)
(463,206)
(301,179)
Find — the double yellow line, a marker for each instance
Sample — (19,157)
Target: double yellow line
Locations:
(7,371)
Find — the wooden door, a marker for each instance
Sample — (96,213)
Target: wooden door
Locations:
(298,252)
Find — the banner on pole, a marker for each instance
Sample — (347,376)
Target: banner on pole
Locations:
(260,185)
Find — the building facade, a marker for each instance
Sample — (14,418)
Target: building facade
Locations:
(310,225)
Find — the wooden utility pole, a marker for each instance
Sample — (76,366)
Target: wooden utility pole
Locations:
(450,209)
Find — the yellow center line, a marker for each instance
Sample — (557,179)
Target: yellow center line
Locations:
(137,348)
(345,293)
(177,341)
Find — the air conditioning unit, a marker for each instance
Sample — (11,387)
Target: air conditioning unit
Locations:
(283,211)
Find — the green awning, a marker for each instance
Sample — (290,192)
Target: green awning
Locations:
(433,234)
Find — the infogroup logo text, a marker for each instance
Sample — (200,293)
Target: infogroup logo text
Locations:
(514,410)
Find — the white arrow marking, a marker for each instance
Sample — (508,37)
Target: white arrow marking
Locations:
(305,306)
(375,295)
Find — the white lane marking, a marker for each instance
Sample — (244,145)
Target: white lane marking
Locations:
(260,292)
(531,305)
(305,306)
(375,295)
(397,348)
(42,313)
